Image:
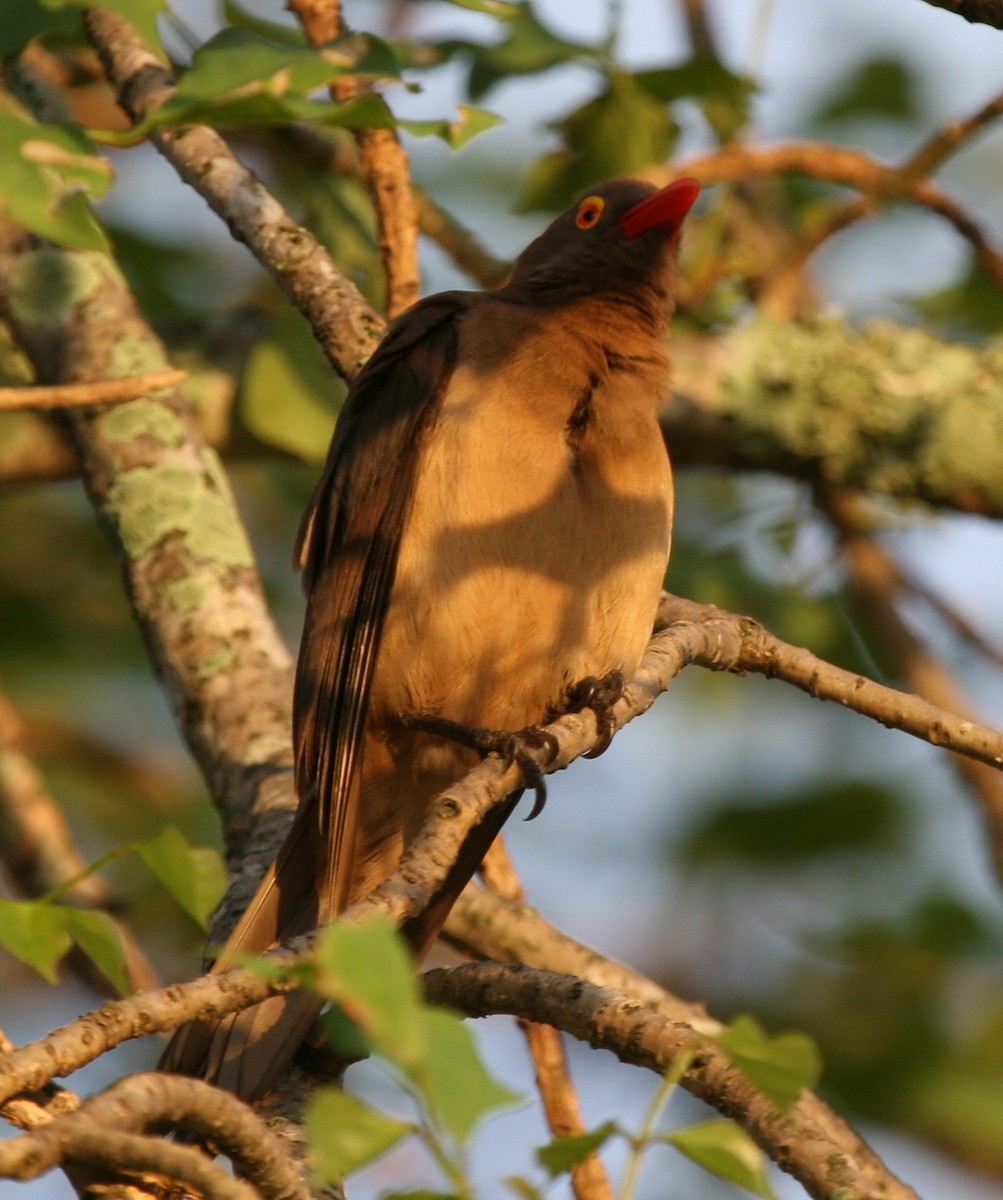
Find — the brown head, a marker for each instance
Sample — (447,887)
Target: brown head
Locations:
(618,239)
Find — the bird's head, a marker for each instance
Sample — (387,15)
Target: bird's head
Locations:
(617,238)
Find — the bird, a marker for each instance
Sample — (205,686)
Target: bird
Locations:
(484,550)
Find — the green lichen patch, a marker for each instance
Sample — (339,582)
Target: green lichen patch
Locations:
(185,595)
(142,417)
(218,660)
(134,354)
(217,534)
(889,408)
(149,503)
(47,284)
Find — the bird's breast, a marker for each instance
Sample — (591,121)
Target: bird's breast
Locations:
(538,537)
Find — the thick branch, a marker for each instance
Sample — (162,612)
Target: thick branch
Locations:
(830,1162)
(889,409)
(161,493)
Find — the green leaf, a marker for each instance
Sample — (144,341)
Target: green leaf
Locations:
(419,1194)
(835,818)
(101,940)
(27,19)
(368,971)
(527,47)
(345,1134)
(457,1087)
(46,172)
(522,1187)
(239,77)
(723,95)
(781,1067)
(289,395)
(884,86)
(470,121)
(970,305)
(617,133)
(727,1151)
(194,875)
(564,1153)
(35,932)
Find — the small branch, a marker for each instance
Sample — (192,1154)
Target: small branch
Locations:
(933,152)
(835,164)
(82,1041)
(698,27)
(106,1125)
(589,1180)
(76,1142)
(827,1168)
(435,222)
(31,1110)
(86,395)
(877,580)
(384,167)
(726,642)
(342,320)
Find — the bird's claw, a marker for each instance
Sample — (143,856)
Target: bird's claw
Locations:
(522,748)
(600,695)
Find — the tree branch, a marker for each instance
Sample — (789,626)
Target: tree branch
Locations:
(345,325)
(876,578)
(161,493)
(726,642)
(384,167)
(84,395)
(589,1180)
(829,1160)
(888,409)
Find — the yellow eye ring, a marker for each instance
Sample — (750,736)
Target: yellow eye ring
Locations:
(589,211)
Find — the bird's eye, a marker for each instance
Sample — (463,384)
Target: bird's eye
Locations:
(589,211)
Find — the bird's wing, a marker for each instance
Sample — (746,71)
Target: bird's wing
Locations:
(347,547)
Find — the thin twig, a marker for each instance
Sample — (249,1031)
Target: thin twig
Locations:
(877,580)
(835,164)
(85,395)
(589,1180)
(384,167)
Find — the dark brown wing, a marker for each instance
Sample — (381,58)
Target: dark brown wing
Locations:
(347,547)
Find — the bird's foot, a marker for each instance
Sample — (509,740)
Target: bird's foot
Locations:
(524,747)
(600,695)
